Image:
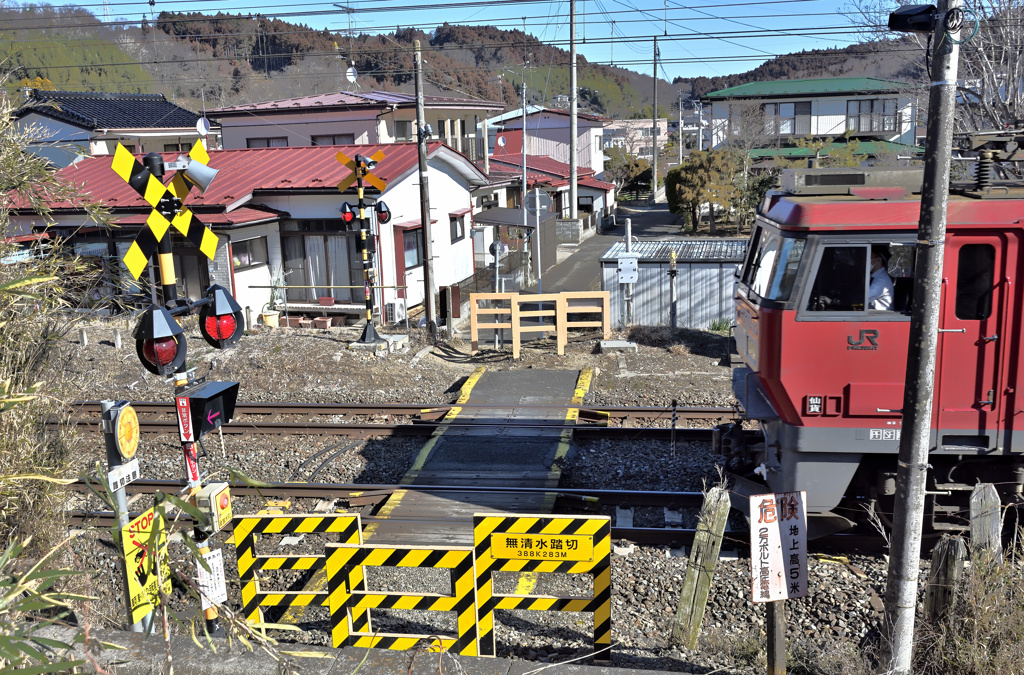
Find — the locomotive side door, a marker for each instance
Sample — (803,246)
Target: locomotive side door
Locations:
(971,391)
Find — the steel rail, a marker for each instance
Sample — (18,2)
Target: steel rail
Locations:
(682,412)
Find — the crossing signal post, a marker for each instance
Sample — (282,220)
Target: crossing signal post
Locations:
(361,168)
(160,340)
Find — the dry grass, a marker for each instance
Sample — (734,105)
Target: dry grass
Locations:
(984,631)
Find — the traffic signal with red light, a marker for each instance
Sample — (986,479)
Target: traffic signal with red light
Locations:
(347,214)
(159,342)
(220,319)
(383,213)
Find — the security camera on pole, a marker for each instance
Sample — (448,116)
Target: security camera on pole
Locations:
(361,168)
(160,340)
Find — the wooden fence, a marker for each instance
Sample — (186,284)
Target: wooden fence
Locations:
(511,314)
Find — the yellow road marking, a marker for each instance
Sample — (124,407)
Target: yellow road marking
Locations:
(385,512)
(428,447)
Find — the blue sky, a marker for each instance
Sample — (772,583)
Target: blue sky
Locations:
(715,37)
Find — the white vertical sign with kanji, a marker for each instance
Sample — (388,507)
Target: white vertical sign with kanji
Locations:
(778,546)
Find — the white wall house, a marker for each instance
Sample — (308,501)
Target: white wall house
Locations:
(547,134)
(868,108)
(276,212)
(71,124)
(347,118)
(634,136)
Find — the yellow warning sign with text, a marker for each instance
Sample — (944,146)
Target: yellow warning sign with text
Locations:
(542,547)
(144,541)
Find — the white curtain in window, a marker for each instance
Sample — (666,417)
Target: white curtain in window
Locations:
(337,255)
(316,267)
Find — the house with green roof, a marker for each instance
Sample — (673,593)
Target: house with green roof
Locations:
(879,113)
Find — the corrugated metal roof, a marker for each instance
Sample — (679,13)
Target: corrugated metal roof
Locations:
(687,250)
(809,87)
(243,172)
(864,148)
(541,163)
(375,99)
(236,218)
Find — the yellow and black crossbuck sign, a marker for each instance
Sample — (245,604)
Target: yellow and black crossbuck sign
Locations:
(250,563)
(153,191)
(350,164)
(346,600)
(570,545)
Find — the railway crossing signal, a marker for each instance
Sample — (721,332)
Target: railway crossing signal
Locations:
(166,202)
(361,168)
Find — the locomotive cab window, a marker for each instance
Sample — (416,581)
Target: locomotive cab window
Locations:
(771,266)
(863,277)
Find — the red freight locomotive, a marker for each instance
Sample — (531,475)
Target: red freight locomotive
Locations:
(821,341)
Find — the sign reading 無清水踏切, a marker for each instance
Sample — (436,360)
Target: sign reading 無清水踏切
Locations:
(542,547)
(778,546)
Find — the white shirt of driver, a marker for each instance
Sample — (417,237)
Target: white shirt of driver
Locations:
(880,290)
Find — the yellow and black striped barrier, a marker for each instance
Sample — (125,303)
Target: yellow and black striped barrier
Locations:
(344,575)
(569,545)
(246,531)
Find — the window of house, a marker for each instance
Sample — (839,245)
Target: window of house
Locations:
(266,142)
(787,119)
(403,130)
(249,253)
(585,204)
(177,147)
(412,244)
(334,139)
(871,115)
(457,226)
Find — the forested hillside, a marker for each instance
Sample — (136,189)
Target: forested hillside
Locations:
(224,59)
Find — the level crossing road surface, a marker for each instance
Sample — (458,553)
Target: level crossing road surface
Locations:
(508,445)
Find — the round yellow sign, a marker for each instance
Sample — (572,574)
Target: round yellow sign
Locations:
(127,425)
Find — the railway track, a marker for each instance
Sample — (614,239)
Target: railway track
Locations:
(369,497)
(357,420)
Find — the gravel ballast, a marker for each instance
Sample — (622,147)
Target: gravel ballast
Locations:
(294,365)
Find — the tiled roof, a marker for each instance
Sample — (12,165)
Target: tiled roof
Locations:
(368,100)
(812,87)
(110,111)
(243,172)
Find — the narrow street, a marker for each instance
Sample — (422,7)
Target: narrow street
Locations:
(581,271)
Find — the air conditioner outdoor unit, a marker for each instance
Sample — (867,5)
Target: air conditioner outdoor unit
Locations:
(394,311)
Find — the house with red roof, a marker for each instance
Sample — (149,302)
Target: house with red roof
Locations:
(547,134)
(276,213)
(596,198)
(346,118)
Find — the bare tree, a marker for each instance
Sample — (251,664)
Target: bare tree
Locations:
(991,84)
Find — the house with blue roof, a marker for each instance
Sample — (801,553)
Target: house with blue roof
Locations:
(879,113)
(72,124)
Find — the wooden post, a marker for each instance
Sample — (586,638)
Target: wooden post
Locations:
(561,319)
(516,334)
(474,338)
(986,524)
(700,567)
(948,558)
(777,637)
(117,338)
(83,338)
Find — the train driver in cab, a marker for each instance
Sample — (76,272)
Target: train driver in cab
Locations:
(880,289)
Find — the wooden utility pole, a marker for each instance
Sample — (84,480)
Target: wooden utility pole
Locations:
(429,287)
(915,438)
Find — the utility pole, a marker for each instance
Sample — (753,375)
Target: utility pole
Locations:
(915,438)
(574,111)
(429,288)
(524,156)
(680,139)
(654,131)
